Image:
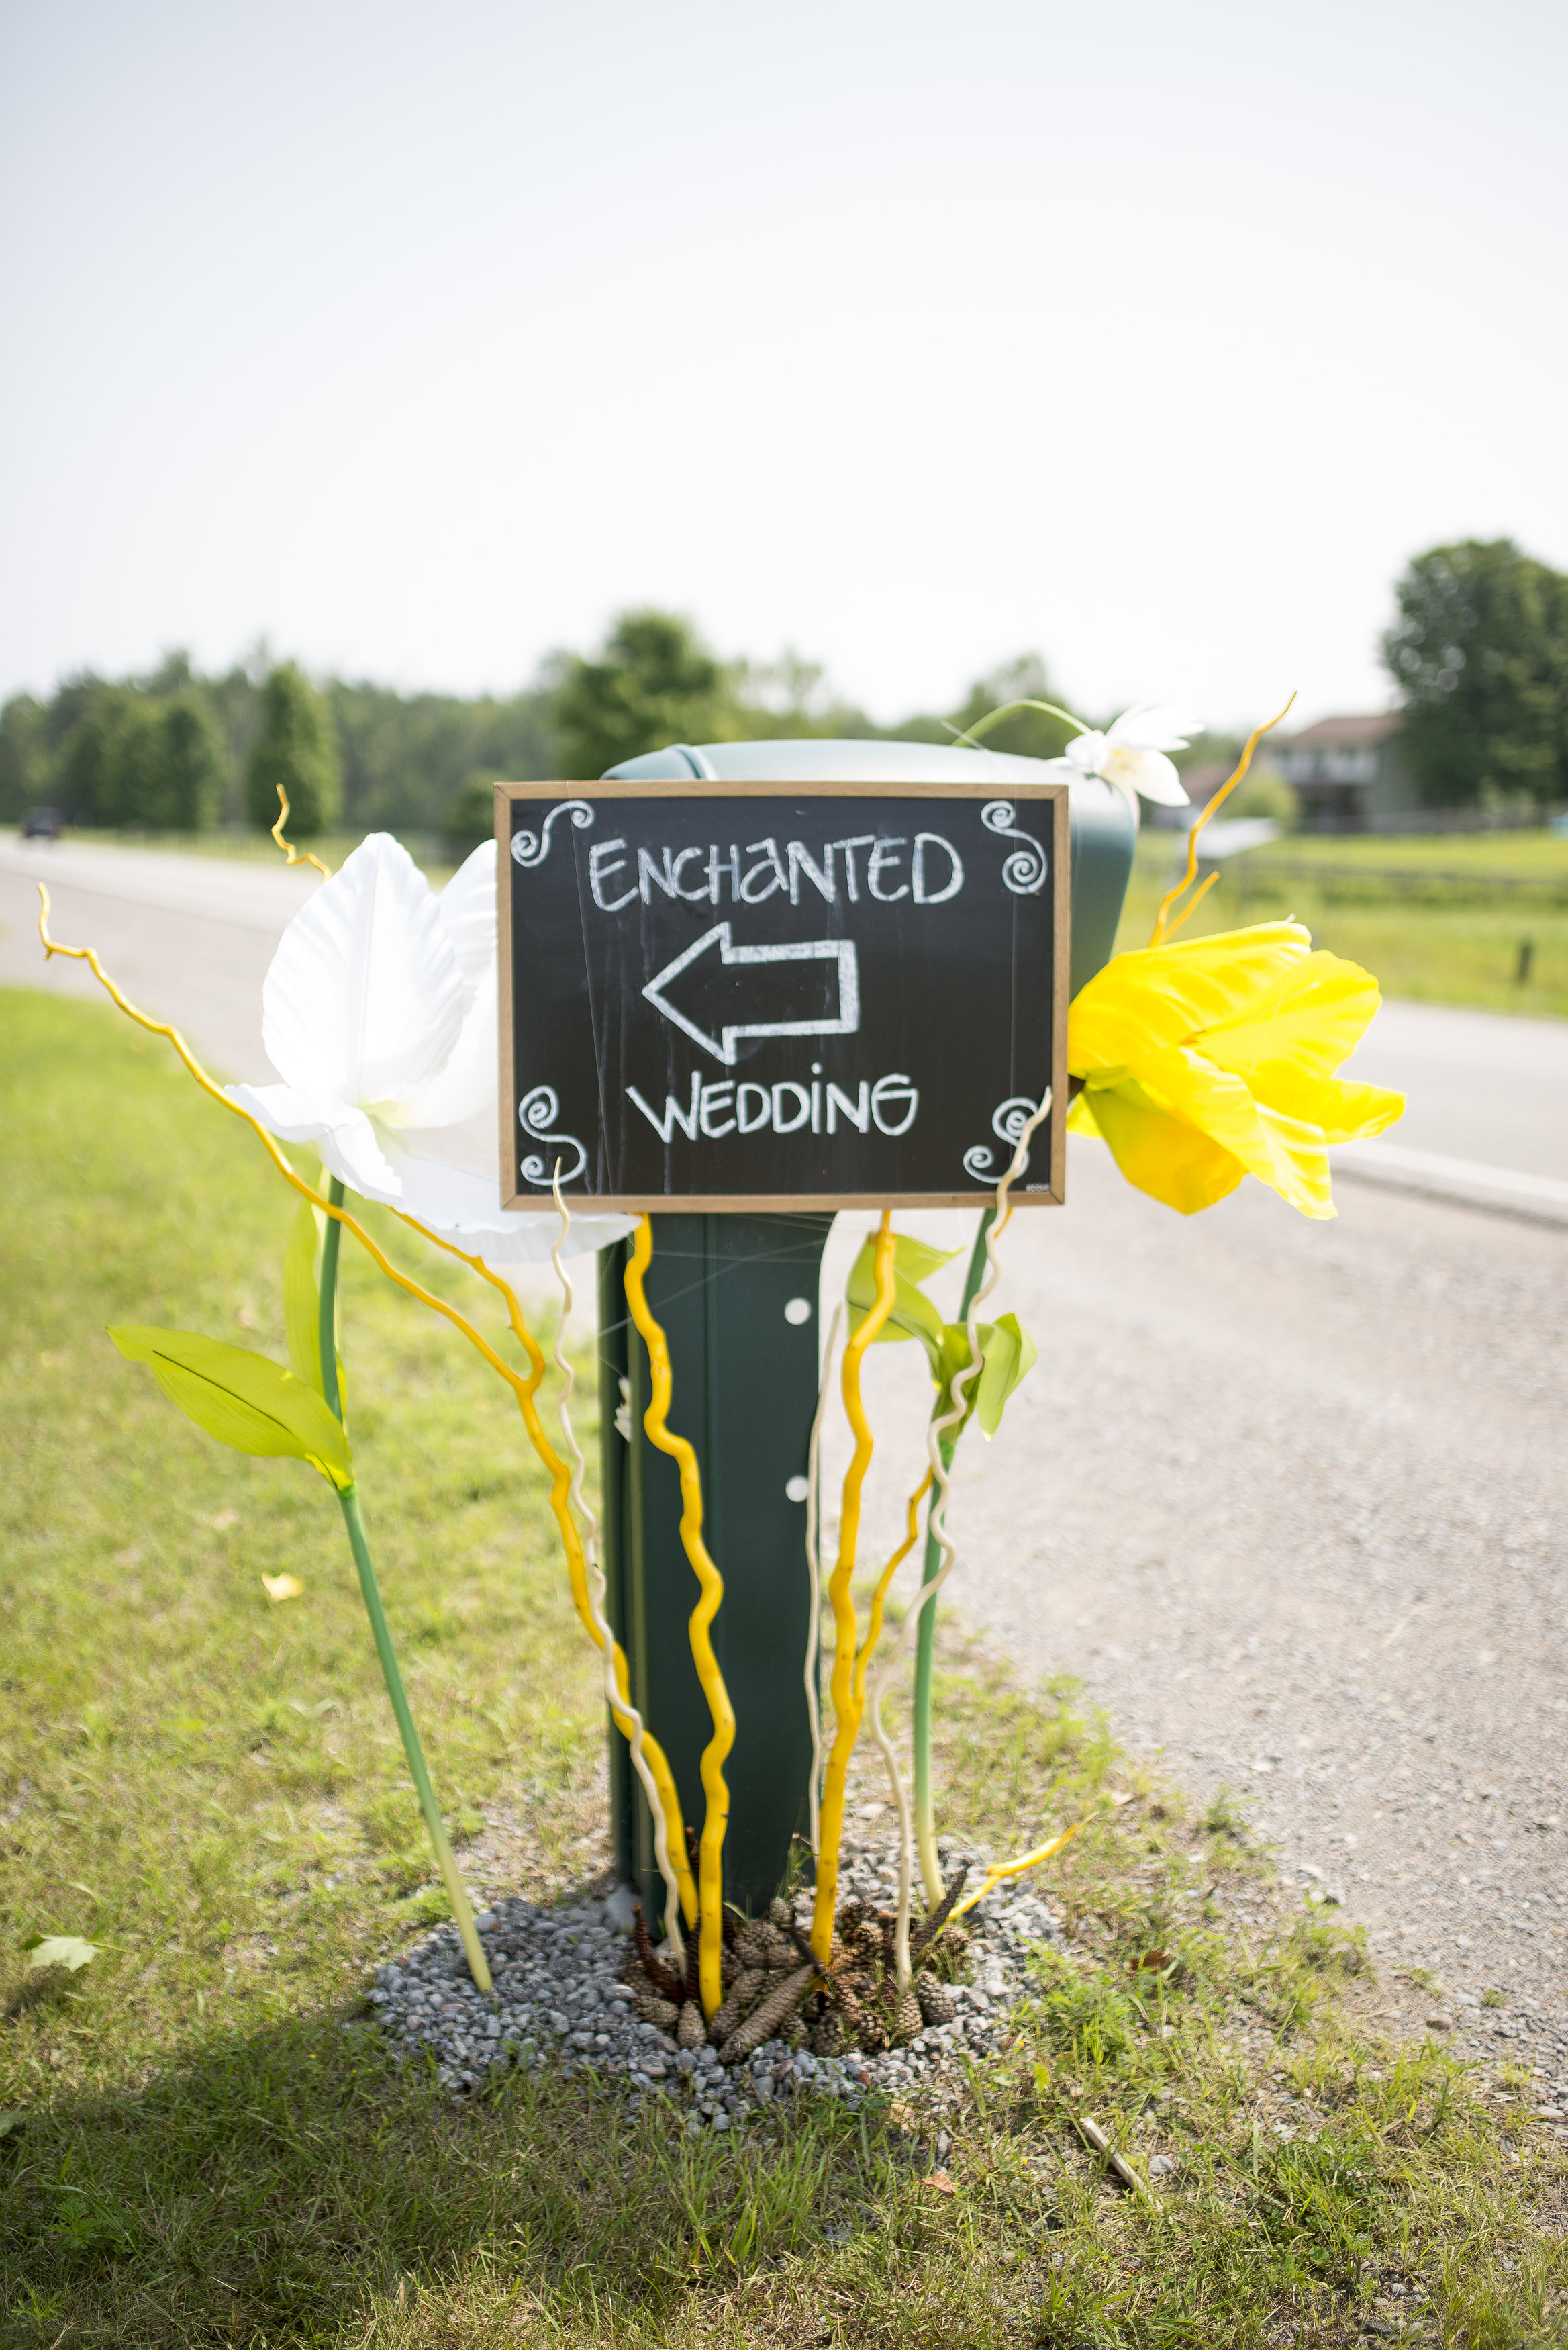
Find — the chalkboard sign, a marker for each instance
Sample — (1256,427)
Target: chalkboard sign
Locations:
(780,994)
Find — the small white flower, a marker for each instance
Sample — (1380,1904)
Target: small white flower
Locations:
(378,1014)
(1131,753)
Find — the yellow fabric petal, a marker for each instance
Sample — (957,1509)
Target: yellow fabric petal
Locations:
(1344,1112)
(1159,1154)
(1300,1163)
(1219,1105)
(1081,1116)
(1316,1020)
(1155,997)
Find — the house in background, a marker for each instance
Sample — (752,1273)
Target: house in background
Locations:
(1346,773)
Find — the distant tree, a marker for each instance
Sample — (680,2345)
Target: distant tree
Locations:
(296,747)
(96,766)
(193,764)
(1029,734)
(24,757)
(1480,655)
(470,815)
(655,683)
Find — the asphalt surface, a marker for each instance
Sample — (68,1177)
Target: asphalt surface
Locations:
(1289,1499)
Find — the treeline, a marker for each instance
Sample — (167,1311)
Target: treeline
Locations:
(174,751)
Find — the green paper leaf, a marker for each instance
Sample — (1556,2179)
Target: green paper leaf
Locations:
(58,1951)
(242,1399)
(1009,1352)
(913,1314)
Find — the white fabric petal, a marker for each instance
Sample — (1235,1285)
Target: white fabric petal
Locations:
(469,1082)
(343,1137)
(1149,774)
(1156,726)
(467,909)
(1087,753)
(466,1207)
(365,997)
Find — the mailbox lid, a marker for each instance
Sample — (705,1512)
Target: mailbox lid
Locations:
(1103,828)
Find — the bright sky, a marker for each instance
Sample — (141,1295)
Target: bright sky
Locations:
(422,339)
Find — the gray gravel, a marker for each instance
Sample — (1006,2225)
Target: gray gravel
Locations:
(559,2000)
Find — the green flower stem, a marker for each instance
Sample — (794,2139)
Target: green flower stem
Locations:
(926,1637)
(353,1518)
(445,1860)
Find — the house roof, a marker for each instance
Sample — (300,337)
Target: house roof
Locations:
(1341,734)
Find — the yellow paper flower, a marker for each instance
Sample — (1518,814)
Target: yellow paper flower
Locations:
(1213,1058)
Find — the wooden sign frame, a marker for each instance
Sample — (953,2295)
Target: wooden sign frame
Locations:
(1051,798)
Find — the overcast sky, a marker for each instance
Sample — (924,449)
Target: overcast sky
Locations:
(421,339)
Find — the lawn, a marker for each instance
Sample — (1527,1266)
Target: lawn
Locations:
(1441,919)
(201,2140)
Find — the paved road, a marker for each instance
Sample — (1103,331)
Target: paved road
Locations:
(1289,1498)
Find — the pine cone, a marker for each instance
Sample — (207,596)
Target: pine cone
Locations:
(775,2010)
(752,1945)
(651,2009)
(780,1914)
(828,2037)
(691,2031)
(938,2004)
(907,2020)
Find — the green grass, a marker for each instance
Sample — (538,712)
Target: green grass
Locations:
(1436,920)
(204,2142)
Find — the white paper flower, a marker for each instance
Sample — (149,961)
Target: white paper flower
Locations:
(378,1014)
(1132,753)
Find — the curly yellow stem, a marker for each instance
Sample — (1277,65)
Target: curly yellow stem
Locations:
(994,1876)
(294,855)
(523,1389)
(840,1591)
(1163,925)
(711,1853)
(879,1597)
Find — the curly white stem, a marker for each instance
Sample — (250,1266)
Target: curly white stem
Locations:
(578,1499)
(813,1567)
(959,1387)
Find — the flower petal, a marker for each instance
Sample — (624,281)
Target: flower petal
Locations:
(466,1207)
(1085,753)
(365,997)
(1153,997)
(1148,773)
(469,1082)
(1159,1154)
(1156,726)
(1318,1017)
(343,1137)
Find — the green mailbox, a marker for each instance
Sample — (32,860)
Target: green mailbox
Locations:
(737,1294)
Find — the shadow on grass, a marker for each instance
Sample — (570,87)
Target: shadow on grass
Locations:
(280,2187)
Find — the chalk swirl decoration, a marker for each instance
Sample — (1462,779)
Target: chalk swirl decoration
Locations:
(537,1112)
(1008,1122)
(1024,871)
(530,849)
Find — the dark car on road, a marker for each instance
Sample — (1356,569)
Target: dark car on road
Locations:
(43,824)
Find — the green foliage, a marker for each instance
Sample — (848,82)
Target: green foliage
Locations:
(471,815)
(1480,655)
(191,765)
(1263,792)
(1028,734)
(24,757)
(1007,1350)
(242,1399)
(296,750)
(655,683)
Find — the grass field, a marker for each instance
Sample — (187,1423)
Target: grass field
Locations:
(202,2141)
(1440,920)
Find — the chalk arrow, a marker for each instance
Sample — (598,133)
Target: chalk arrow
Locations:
(723,1047)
